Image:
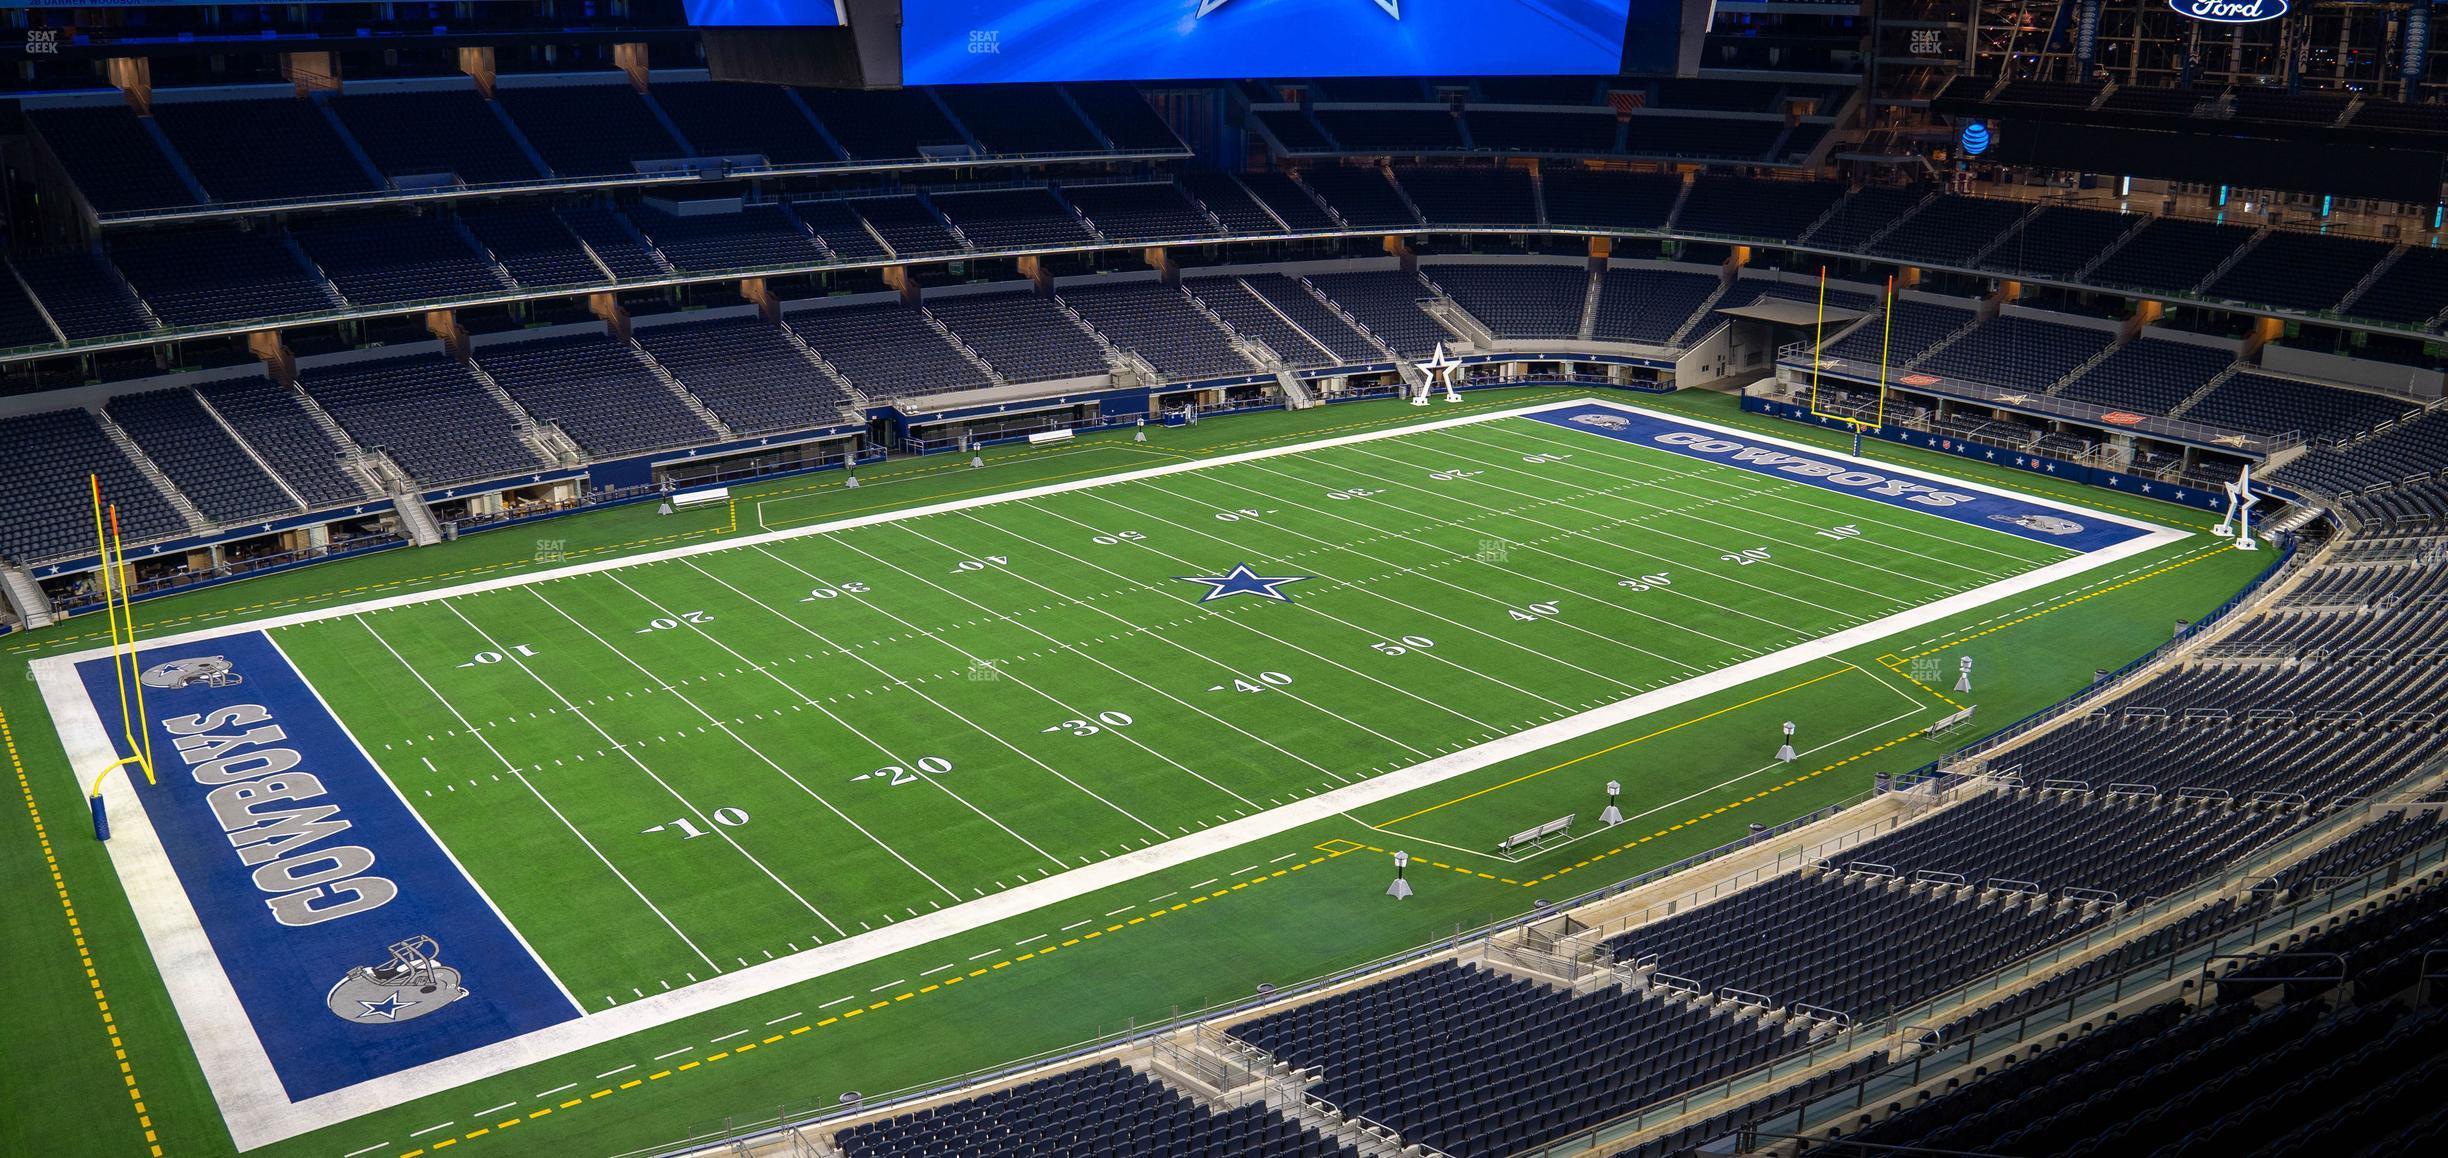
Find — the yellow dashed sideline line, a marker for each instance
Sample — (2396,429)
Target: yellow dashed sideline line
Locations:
(1616,746)
(1039,953)
(93,977)
(1720,810)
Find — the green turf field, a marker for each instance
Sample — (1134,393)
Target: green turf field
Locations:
(663,772)
(668,771)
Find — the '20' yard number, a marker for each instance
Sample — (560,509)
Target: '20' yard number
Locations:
(667,622)
(895,774)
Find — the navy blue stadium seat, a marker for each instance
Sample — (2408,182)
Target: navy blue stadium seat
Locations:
(598,389)
(208,466)
(428,412)
(49,511)
(262,150)
(422,134)
(221,275)
(111,156)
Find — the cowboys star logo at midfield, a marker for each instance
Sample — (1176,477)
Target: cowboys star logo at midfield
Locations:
(1243,581)
(1393,7)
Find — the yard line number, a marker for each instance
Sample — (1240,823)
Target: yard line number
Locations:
(1102,721)
(669,622)
(1404,646)
(1650,582)
(1258,683)
(895,774)
(816,593)
(493,657)
(688,830)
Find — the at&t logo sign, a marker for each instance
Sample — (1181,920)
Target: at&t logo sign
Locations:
(2231,11)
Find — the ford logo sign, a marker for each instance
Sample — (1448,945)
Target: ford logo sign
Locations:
(2231,11)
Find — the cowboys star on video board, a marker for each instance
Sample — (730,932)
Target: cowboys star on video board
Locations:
(998,41)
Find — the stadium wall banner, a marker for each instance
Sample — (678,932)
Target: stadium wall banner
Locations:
(2231,11)
(1007,41)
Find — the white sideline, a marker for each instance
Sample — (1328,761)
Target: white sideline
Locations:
(257,1110)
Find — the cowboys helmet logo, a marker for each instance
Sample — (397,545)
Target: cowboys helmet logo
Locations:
(2045,524)
(413,983)
(1604,421)
(212,671)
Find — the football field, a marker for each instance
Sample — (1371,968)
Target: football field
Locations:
(629,791)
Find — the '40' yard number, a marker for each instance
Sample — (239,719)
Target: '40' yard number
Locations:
(1746,557)
(1102,721)
(667,622)
(688,830)
(816,593)
(1534,612)
(980,564)
(1259,683)
(895,774)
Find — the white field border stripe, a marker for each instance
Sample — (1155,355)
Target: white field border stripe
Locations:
(248,1092)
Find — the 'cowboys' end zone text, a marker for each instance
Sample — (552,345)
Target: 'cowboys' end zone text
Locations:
(2024,517)
(1834,475)
(269,809)
(344,940)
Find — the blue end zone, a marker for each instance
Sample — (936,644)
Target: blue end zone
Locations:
(303,864)
(1980,508)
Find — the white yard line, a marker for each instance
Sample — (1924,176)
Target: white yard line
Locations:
(878,745)
(1661,511)
(1619,451)
(258,1112)
(974,659)
(521,776)
(1136,628)
(1765,485)
(1656,512)
(1473,592)
(629,752)
(1739,534)
(1399,569)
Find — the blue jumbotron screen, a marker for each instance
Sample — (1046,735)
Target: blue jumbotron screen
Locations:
(763,13)
(989,41)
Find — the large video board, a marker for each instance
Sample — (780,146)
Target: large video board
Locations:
(999,41)
(764,13)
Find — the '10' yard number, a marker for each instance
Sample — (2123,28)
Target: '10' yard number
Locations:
(726,817)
